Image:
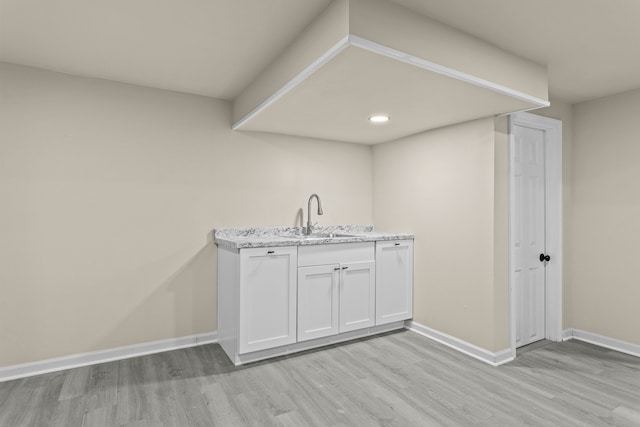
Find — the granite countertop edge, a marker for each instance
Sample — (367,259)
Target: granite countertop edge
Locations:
(260,237)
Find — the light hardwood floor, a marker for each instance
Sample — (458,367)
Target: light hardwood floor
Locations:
(398,379)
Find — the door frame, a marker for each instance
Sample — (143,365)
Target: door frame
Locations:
(553,223)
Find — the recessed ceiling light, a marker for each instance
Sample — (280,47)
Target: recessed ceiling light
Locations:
(379,118)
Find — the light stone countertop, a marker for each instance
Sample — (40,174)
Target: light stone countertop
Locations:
(260,237)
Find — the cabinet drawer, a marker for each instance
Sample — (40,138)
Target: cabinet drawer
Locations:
(337,253)
(247,253)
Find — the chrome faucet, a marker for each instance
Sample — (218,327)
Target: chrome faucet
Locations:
(309,228)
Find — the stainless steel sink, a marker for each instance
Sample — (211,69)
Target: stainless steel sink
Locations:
(319,236)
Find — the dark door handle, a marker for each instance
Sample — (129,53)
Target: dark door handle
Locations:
(544,257)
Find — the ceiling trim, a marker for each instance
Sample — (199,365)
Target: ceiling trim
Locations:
(441,69)
(299,78)
(355,41)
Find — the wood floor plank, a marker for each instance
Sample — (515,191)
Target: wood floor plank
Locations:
(629,415)
(140,423)
(399,379)
(68,412)
(292,419)
(5,393)
(101,388)
(189,403)
(105,416)
(47,401)
(253,413)
(76,383)
(18,409)
(222,410)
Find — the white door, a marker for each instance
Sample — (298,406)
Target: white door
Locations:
(267,298)
(528,229)
(357,295)
(318,301)
(394,281)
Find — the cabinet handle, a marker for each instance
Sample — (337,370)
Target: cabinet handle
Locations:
(271,252)
(396,244)
(336,269)
(344,268)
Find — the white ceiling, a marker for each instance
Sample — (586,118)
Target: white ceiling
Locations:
(590,46)
(216,47)
(206,47)
(350,89)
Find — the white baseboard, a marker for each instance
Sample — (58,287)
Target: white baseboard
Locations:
(494,359)
(602,341)
(83,359)
(567,334)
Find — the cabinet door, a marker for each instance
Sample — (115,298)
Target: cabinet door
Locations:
(357,295)
(394,281)
(317,301)
(267,298)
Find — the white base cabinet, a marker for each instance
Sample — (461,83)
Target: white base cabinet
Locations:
(273,301)
(257,299)
(336,289)
(267,298)
(318,295)
(394,281)
(357,295)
